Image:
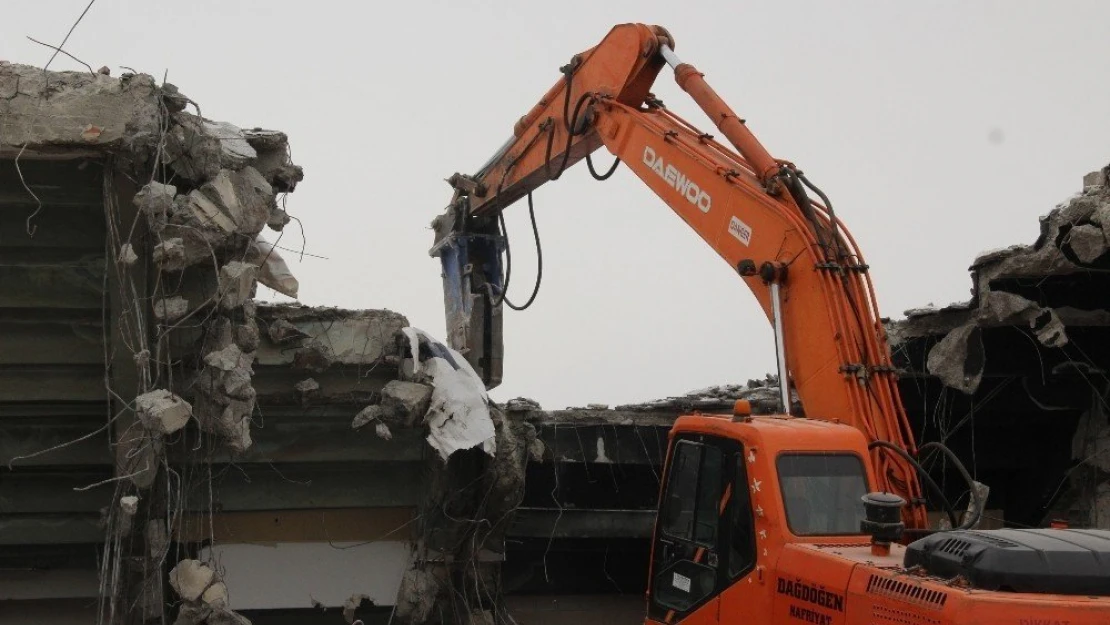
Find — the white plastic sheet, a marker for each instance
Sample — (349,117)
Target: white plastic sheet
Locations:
(459,416)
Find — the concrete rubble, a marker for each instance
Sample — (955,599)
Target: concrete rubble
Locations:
(170,309)
(762,394)
(1074,239)
(163,412)
(204,596)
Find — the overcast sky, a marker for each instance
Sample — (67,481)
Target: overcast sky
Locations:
(939,129)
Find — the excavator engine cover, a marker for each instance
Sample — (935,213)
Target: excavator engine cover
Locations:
(1064,562)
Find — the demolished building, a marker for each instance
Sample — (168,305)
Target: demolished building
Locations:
(157,425)
(174,451)
(1015,379)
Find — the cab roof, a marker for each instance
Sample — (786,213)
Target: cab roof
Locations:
(777,432)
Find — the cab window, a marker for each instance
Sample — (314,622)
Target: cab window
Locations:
(694,493)
(822,493)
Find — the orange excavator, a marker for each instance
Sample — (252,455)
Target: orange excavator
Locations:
(778,519)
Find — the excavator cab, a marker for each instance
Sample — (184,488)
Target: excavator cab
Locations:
(771,520)
(736,489)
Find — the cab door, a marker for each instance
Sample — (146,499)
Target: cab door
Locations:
(704,534)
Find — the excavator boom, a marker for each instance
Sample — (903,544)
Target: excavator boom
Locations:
(769,519)
(792,252)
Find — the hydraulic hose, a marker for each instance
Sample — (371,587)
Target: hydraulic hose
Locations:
(976,504)
(930,483)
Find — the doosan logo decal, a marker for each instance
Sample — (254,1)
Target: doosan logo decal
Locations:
(675,178)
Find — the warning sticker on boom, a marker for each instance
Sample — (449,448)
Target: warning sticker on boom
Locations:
(740,230)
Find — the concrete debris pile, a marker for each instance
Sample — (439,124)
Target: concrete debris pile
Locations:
(763,395)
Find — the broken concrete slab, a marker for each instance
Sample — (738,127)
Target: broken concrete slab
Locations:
(170,309)
(313,356)
(958,360)
(281,332)
(228,358)
(1088,242)
(163,412)
(1096,178)
(170,255)
(244,197)
(273,162)
(127,254)
(41,110)
(408,397)
(155,201)
(355,337)
(236,284)
(278,219)
(190,578)
(1002,308)
(216,595)
(197,149)
(237,384)
(382,431)
(273,271)
(197,210)
(191,613)
(367,415)
(246,336)
(521,404)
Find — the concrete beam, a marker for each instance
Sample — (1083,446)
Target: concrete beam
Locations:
(603,443)
(354,337)
(77,383)
(582,523)
(282,441)
(350,485)
(51,529)
(49,343)
(79,285)
(234,488)
(29,436)
(40,108)
(275,526)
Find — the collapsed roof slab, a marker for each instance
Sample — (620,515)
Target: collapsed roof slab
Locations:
(55,112)
(1019,372)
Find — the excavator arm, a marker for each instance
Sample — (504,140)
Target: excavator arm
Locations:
(791,251)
